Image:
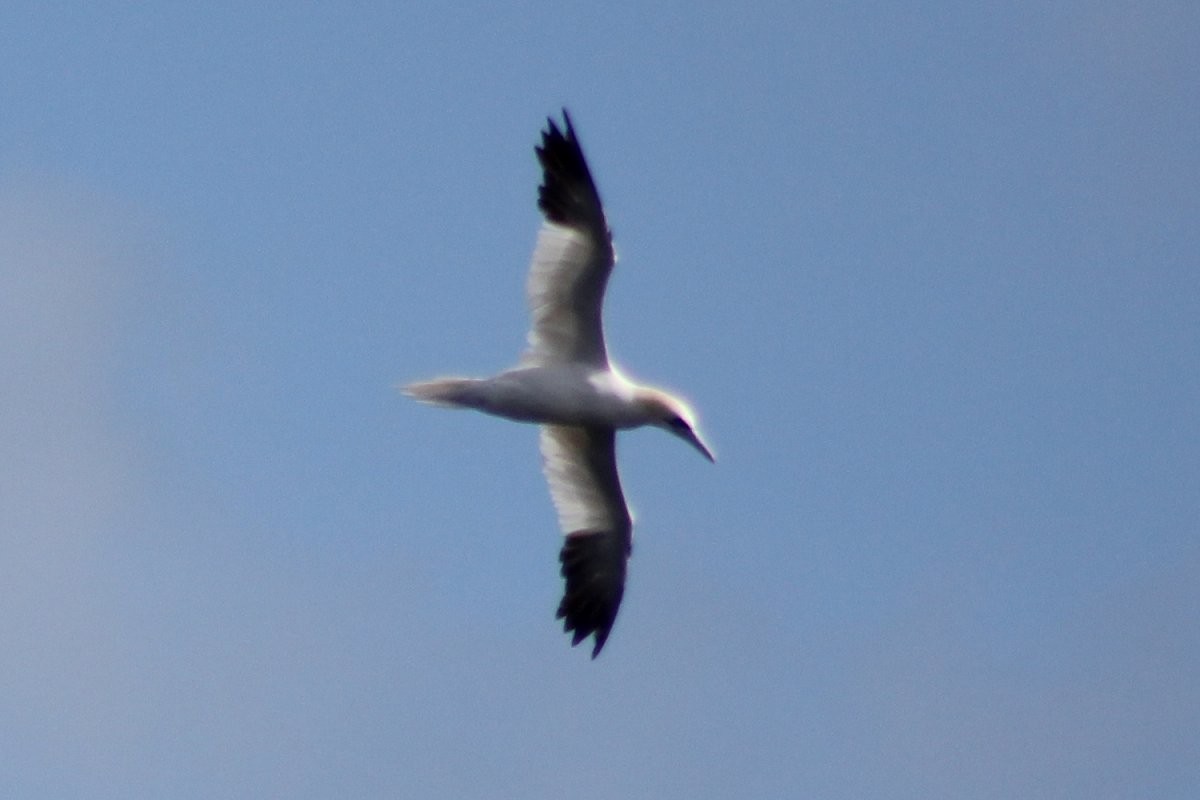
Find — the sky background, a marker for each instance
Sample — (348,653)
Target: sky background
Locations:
(929,273)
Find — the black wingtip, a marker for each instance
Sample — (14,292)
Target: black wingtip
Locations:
(599,635)
(593,565)
(568,128)
(567,194)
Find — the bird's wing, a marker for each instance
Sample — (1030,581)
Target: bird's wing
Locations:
(572,260)
(581,467)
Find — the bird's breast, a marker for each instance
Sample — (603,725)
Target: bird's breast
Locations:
(562,396)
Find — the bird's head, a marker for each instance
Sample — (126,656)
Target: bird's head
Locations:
(673,415)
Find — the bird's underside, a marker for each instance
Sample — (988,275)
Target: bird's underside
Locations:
(564,383)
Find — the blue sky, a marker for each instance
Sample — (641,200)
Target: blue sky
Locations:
(929,276)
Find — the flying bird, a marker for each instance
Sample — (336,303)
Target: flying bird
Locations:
(565,383)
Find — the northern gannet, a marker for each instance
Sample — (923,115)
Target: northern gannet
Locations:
(565,383)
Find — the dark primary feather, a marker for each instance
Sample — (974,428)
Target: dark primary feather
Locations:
(581,468)
(573,257)
(568,194)
(593,564)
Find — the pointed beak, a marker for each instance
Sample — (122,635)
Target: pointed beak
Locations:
(693,438)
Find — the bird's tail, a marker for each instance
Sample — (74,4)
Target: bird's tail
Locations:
(449,392)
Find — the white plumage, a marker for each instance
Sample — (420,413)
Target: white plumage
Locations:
(565,383)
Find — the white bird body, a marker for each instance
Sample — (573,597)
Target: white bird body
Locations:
(566,384)
(566,394)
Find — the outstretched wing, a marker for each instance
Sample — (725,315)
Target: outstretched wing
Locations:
(572,260)
(581,468)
